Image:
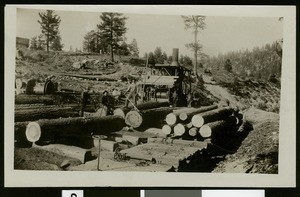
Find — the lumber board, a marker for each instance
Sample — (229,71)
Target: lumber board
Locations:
(168,154)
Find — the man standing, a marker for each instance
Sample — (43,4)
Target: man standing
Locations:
(108,102)
(132,89)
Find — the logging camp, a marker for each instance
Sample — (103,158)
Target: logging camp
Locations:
(166,80)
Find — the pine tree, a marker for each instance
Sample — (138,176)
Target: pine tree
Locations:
(56,44)
(111,30)
(49,22)
(196,23)
(164,56)
(90,42)
(158,56)
(151,59)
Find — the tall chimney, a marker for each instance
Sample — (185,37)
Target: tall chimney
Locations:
(175,57)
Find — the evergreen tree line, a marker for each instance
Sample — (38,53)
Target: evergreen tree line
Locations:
(260,63)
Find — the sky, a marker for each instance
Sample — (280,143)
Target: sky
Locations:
(222,34)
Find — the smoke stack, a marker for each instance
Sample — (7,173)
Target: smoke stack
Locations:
(175,57)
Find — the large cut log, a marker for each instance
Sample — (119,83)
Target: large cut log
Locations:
(147,117)
(189,125)
(119,112)
(74,106)
(172,118)
(53,129)
(193,131)
(32,106)
(95,77)
(167,129)
(187,115)
(81,154)
(31,99)
(143,106)
(44,113)
(179,129)
(219,128)
(20,84)
(210,116)
(101,112)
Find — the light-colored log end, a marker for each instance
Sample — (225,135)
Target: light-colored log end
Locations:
(33,132)
(183,116)
(166,129)
(119,112)
(205,131)
(193,131)
(133,119)
(171,119)
(189,125)
(179,130)
(197,121)
(101,112)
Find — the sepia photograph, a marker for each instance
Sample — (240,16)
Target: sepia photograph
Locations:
(112,91)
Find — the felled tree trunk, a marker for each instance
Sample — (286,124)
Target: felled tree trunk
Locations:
(210,116)
(44,113)
(179,129)
(148,117)
(95,77)
(219,128)
(190,113)
(167,129)
(143,106)
(68,151)
(32,99)
(79,126)
(193,132)
(185,115)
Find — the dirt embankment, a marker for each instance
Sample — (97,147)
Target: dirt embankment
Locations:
(258,153)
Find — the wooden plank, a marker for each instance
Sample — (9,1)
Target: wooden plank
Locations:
(105,165)
(69,151)
(168,154)
(196,144)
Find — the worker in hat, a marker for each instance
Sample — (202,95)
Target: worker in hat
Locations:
(108,102)
(132,89)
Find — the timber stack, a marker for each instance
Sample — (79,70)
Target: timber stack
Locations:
(201,123)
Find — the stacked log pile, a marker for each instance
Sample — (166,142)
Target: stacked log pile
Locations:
(201,123)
